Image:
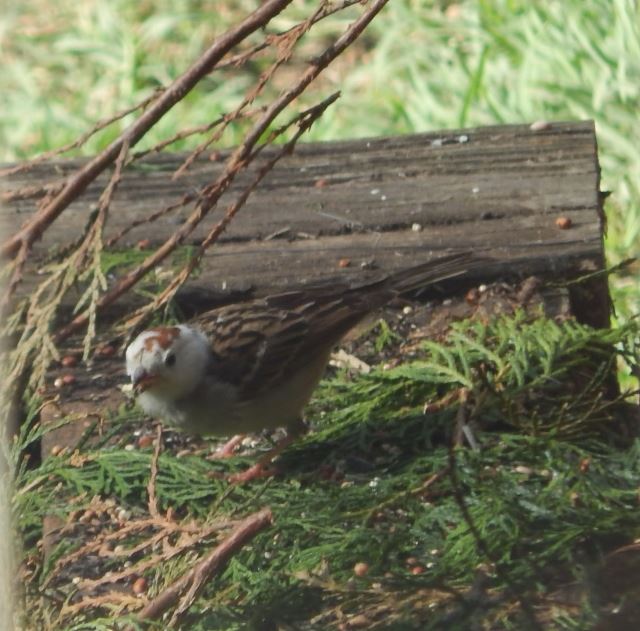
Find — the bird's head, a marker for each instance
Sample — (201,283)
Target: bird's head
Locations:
(167,362)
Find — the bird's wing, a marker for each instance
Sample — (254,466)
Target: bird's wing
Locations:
(257,344)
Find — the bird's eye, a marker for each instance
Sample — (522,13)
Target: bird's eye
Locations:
(170,360)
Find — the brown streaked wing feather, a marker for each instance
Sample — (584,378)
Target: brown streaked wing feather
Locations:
(253,344)
(257,344)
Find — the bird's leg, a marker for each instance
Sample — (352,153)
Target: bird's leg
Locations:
(262,468)
(227,450)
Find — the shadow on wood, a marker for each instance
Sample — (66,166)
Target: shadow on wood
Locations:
(529,198)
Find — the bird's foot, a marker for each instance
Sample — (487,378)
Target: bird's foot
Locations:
(255,472)
(228,449)
(264,468)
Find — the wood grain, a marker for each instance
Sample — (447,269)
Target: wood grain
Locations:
(381,203)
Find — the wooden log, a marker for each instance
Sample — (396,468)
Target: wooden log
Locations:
(529,198)
(351,209)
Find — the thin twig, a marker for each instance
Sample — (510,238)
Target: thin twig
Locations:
(329,8)
(200,129)
(235,163)
(305,120)
(187,198)
(76,185)
(36,345)
(190,534)
(285,44)
(151,487)
(94,242)
(193,581)
(29,192)
(100,125)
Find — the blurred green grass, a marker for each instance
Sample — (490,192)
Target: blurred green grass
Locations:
(420,66)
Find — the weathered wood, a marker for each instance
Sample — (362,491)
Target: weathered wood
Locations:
(381,203)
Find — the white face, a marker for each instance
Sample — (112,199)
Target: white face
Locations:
(167,363)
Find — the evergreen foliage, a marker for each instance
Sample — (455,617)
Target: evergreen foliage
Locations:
(511,534)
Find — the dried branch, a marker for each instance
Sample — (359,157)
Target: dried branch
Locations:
(211,193)
(37,344)
(17,271)
(304,120)
(285,44)
(115,599)
(94,241)
(200,129)
(238,60)
(327,9)
(29,192)
(189,535)
(192,583)
(35,341)
(22,241)
(151,487)
(187,198)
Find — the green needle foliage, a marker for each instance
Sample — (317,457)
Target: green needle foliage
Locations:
(451,536)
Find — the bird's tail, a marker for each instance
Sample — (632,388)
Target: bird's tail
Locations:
(425,274)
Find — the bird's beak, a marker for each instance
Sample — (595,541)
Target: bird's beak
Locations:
(142,380)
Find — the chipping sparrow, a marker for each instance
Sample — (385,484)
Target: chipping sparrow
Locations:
(254,365)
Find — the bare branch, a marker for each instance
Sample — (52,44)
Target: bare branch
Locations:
(151,487)
(184,200)
(29,192)
(285,44)
(76,185)
(100,125)
(185,133)
(327,9)
(304,120)
(191,583)
(240,157)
